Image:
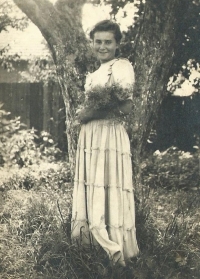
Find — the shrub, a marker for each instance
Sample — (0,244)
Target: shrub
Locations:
(42,175)
(7,129)
(172,169)
(24,147)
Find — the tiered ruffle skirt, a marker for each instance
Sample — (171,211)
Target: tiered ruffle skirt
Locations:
(103,211)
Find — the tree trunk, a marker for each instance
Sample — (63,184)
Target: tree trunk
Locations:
(154,48)
(60,25)
(154,51)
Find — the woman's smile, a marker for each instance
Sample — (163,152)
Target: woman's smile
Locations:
(104,45)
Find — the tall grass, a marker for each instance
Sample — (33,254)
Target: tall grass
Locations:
(35,221)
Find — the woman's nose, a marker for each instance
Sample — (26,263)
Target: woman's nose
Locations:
(102,46)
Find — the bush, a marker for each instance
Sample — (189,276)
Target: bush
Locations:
(24,147)
(172,169)
(42,175)
(7,129)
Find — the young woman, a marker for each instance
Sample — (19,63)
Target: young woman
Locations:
(103,210)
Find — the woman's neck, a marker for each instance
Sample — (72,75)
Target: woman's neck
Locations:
(106,62)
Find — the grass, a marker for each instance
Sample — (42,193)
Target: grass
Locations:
(35,231)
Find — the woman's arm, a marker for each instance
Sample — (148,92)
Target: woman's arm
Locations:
(87,114)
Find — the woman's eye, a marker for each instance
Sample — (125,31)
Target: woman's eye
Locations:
(99,42)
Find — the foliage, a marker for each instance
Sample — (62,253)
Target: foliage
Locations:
(7,129)
(188,36)
(40,69)
(26,148)
(43,173)
(23,147)
(10,17)
(172,168)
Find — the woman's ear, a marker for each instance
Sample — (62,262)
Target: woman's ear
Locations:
(117,52)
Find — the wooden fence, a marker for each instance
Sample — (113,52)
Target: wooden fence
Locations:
(40,107)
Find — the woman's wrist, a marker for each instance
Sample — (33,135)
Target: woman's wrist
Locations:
(125,107)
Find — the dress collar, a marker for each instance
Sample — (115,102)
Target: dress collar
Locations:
(108,63)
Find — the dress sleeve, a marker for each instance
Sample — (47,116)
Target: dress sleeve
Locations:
(123,73)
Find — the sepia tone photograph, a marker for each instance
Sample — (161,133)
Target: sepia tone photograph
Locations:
(99,139)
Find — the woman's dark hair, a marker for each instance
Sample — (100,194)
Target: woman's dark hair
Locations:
(107,25)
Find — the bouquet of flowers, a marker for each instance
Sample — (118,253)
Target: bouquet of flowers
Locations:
(106,98)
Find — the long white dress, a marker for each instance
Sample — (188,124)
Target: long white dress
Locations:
(103,211)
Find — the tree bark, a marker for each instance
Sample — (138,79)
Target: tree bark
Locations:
(154,52)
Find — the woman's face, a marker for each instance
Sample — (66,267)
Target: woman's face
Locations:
(104,45)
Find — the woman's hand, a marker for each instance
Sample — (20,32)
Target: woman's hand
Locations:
(83,115)
(126,106)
